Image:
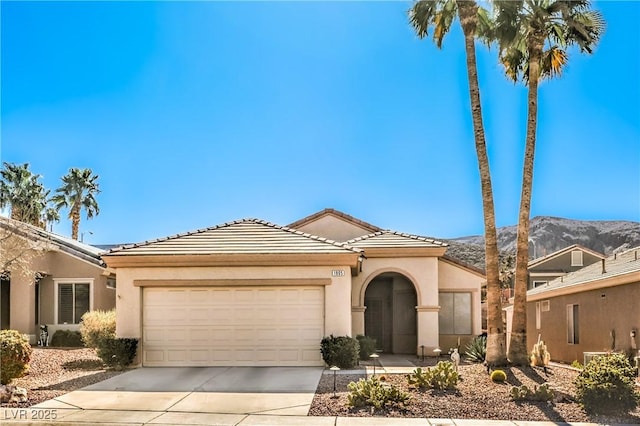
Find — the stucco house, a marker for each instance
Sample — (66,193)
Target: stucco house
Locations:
(569,259)
(594,309)
(69,279)
(251,292)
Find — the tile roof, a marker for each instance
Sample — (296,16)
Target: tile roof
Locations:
(392,239)
(67,245)
(246,236)
(626,263)
(333,212)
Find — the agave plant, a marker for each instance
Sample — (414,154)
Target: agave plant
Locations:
(477,349)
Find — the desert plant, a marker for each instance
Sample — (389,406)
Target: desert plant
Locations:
(96,326)
(117,353)
(606,385)
(498,376)
(419,378)
(476,350)
(539,393)
(371,392)
(367,346)
(576,364)
(66,339)
(341,351)
(15,354)
(442,376)
(540,357)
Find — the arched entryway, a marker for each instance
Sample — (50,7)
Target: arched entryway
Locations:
(390,315)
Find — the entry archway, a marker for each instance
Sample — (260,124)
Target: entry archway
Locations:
(390,316)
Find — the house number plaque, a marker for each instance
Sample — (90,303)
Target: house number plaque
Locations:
(337,273)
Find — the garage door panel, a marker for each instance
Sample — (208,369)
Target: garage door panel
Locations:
(232,326)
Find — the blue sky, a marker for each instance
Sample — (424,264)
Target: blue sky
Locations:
(198,113)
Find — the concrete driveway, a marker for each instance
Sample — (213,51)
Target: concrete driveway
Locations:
(285,391)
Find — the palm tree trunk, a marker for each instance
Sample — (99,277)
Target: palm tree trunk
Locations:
(75,221)
(496,350)
(518,353)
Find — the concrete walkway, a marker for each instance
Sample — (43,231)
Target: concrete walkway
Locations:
(78,417)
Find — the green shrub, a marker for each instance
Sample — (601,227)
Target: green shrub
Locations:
(606,385)
(117,353)
(66,339)
(373,393)
(341,351)
(540,393)
(476,350)
(96,326)
(442,376)
(367,346)
(498,376)
(15,354)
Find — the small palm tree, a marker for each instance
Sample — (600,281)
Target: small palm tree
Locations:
(534,36)
(22,192)
(78,192)
(439,15)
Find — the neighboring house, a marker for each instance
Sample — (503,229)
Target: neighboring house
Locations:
(569,259)
(251,292)
(595,309)
(70,279)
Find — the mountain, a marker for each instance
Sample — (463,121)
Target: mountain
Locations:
(549,234)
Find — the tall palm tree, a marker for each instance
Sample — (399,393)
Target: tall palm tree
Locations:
(534,36)
(439,15)
(23,193)
(78,192)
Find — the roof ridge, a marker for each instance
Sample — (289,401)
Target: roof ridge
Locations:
(338,213)
(237,222)
(401,234)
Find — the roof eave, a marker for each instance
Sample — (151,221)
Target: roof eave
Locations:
(233,259)
(612,281)
(371,252)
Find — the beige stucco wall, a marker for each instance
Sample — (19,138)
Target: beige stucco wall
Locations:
(457,279)
(334,228)
(423,273)
(57,266)
(129,297)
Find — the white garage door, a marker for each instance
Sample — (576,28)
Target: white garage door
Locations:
(227,326)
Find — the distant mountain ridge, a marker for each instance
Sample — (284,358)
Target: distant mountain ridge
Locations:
(548,234)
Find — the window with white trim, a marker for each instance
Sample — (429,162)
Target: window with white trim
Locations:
(72,301)
(576,258)
(454,316)
(573,320)
(539,283)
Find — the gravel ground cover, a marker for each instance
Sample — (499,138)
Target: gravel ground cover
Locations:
(476,397)
(56,371)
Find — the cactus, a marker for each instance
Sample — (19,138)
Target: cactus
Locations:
(539,393)
(540,357)
(371,392)
(498,376)
(442,376)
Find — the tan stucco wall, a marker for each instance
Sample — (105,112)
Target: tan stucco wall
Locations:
(617,311)
(57,265)
(454,278)
(334,228)
(129,297)
(423,273)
